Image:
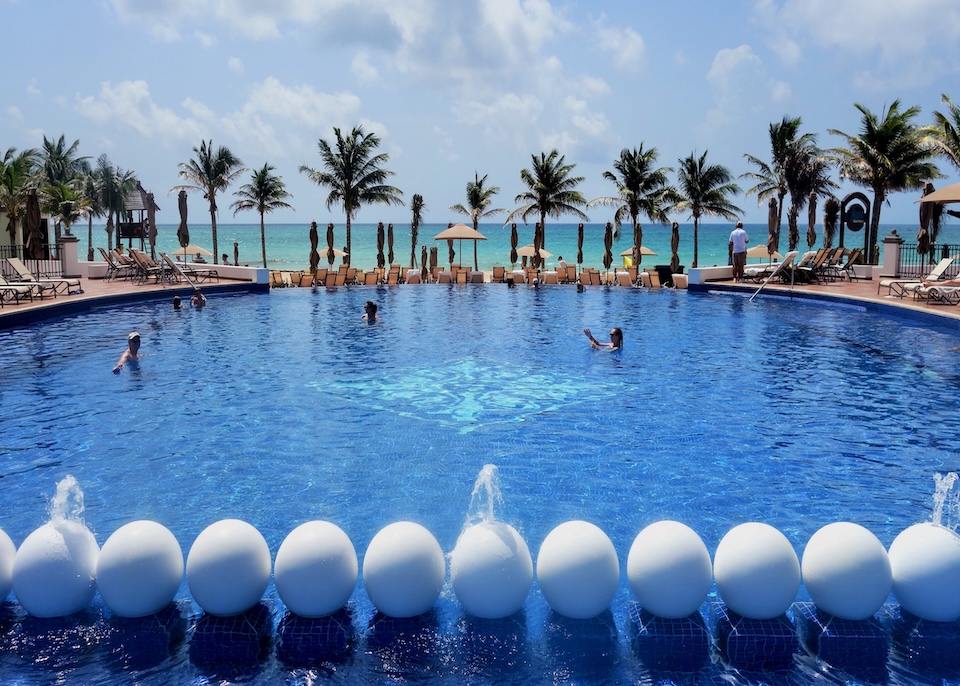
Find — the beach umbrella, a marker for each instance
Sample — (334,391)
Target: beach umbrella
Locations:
(380,259)
(514,239)
(191,249)
(607,246)
(637,243)
(331,253)
(675,247)
(644,250)
(529,250)
(152,225)
(944,196)
(236,254)
(773,226)
(462,232)
(580,243)
(424,272)
(536,259)
(183,233)
(451,253)
(390,243)
(314,242)
(433,258)
(761,250)
(812,220)
(34,241)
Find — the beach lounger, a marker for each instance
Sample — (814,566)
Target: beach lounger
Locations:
(518,276)
(462,275)
(900,287)
(444,277)
(623,279)
(15,292)
(116,270)
(476,277)
(199,274)
(550,278)
(499,274)
(57,285)
(413,276)
(945,295)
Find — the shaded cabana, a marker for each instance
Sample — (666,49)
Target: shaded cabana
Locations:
(136,206)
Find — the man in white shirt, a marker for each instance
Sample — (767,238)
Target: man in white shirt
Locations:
(738,245)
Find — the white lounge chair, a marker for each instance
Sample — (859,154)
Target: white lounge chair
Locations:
(55,285)
(900,287)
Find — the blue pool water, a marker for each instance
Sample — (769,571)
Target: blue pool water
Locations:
(286,407)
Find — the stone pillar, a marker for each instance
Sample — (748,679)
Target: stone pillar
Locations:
(68,247)
(892,245)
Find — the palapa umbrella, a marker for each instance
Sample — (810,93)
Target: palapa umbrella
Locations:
(762,250)
(380,258)
(514,239)
(390,243)
(424,271)
(314,255)
(331,253)
(530,249)
(537,259)
(191,249)
(183,233)
(812,220)
(152,224)
(451,253)
(580,243)
(607,246)
(944,196)
(236,254)
(34,242)
(644,250)
(773,227)
(461,232)
(433,258)
(675,247)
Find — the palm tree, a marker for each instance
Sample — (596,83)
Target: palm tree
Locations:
(265,193)
(17,173)
(113,184)
(416,208)
(703,191)
(642,188)
(66,202)
(95,207)
(60,165)
(889,154)
(944,135)
(210,171)
(354,173)
(771,179)
(807,172)
(478,205)
(550,191)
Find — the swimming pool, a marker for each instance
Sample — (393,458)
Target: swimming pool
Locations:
(287,407)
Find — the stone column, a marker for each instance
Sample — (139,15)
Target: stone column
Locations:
(892,245)
(68,247)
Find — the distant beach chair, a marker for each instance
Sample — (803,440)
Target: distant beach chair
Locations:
(59,285)
(572,273)
(370,278)
(900,287)
(519,276)
(623,279)
(499,274)
(476,277)
(444,277)
(462,275)
(550,278)
(413,276)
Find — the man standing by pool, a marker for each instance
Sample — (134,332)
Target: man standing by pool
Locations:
(738,246)
(131,354)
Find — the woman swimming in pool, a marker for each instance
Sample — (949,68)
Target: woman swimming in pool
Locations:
(616,340)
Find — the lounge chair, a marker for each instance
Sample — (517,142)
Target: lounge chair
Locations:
(572,273)
(900,287)
(197,274)
(550,278)
(499,274)
(146,268)
(116,270)
(945,295)
(444,277)
(462,276)
(623,279)
(15,291)
(57,285)
(846,270)
(413,276)
(476,277)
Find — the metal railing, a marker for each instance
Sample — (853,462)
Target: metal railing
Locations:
(48,265)
(912,264)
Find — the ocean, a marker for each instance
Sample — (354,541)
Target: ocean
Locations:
(288,245)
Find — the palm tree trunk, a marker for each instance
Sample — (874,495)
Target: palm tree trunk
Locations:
(89,238)
(543,230)
(349,242)
(696,240)
(263,241)
(792,223)
(878,197)
(213,226)
(780,197)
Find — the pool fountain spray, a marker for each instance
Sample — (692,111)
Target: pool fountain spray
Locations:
(485,497)
(946,501)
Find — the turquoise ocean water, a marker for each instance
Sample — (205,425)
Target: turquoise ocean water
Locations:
(288,245)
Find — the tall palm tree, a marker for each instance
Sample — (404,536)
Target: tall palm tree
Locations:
(354,174)
(95,207)
(550,191)
(704,190)
(807,172)
(479,199)
(888,155)
(65,202)
(113,184)
(60,165)
(210,171)
(416,218)
(944,135)
(265,193)
(642,188)
(17,177)
(771,178)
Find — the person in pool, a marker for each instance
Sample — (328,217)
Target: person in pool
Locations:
(131,354)
(198,299)
(370,312)
(616,340)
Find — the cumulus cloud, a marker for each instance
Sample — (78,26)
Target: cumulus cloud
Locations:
(205,39)
(235,64)
(625,44)
(129,103)
(362,68)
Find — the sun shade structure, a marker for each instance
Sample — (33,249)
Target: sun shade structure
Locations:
(944,196)
(644,250)
(461,232)
(192,249)
(529,250)
(761,251)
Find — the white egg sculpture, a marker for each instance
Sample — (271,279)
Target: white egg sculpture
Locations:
(491,570)
(925,561)
(54,572)
(578,570)
(316,569)
(139,569)
(8,551)
(403,570)
(757,571)
(669,569)
(847,571)
(228,567)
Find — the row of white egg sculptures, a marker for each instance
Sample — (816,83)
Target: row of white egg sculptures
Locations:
(845,568)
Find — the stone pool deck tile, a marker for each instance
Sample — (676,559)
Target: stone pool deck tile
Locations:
(124,291)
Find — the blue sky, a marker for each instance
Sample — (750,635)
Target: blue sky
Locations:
(457,87)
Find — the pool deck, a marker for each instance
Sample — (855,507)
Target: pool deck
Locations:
(98,292)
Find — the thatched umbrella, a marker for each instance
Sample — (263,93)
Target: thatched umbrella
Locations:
(580,243)
(773,226)
(812,220)
(675,247)
(330,254)
(433,258)
(152,221)
(390,243)
(514,240)
(536,260)
(236,254)
(34,241)
(183,233)
(380,258)
(607,246)
(424,270)
(314,255)
(637,242)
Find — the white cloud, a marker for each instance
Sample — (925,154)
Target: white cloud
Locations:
(33,88)
(14,113)
(235,64)
(128,103)
(625,44)
(205,39)
(362,68)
